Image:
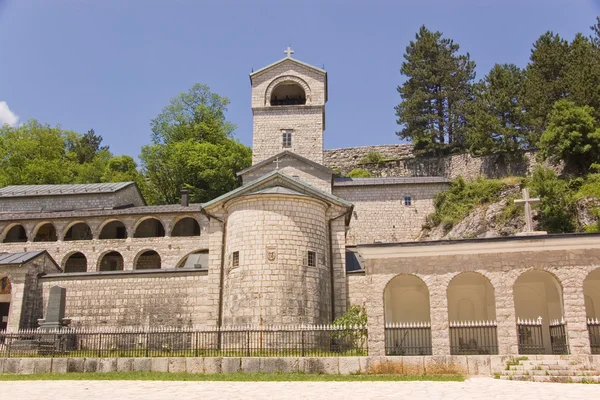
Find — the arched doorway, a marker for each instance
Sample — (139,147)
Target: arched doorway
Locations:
(79,231)
(46,233)
(5,293)
(16,234)
(149,259)
(472,315)
(76,262)
(186,227)
(111,261)
(539,311)
(407,316)
(150,227)
(113,230)
(591,293)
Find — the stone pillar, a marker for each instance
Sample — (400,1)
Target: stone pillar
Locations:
(440,336)
(213,290)
(505,317)
(574,307)
(375,313)
(338,258)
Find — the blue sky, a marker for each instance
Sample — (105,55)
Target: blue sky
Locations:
(113,65)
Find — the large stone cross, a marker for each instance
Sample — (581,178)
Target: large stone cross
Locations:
(289,52)
(528,215)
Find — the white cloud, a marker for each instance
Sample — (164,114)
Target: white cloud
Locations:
(6,115)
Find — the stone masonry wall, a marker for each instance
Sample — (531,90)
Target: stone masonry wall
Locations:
(172,299)
(400,161)
(380,214)
(283,289)
(569,262)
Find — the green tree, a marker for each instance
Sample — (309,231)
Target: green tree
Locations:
(595,36)
(556,208)
(193,148)
(496,119)
(544,82)
(435,93)
(573,136)
(582,73)
(87,146)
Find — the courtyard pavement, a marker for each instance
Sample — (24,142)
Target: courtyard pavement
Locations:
(479,388)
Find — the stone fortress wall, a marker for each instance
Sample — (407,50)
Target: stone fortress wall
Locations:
(401,161)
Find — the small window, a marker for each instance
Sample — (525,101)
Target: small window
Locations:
(235,260)
(312,259)
(407,200)
(287,138)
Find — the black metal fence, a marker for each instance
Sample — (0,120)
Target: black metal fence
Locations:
(473,337)
(558,337)
(299,341)
(594,332)
(530,336)
(408,339)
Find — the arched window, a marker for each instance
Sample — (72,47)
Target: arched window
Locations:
(16,234)
(150,227)
(149,259)
(79,231)
(197,259)
(46,233)
(77,262)
(114,230)
(111,261)
(288,94)
(186,227)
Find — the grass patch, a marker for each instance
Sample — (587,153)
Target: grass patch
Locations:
(235,377)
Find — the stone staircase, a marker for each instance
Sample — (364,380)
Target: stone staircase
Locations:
(549,370)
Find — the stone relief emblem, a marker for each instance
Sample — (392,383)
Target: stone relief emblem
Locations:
(271,253)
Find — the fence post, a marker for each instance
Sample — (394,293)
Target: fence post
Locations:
(302,341)
(196,335)
(248,342)
(147,343)
(100,345)
(8,346)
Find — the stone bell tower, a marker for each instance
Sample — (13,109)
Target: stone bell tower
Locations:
(288,105)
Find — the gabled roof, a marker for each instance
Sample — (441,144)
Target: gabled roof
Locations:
(284,154)
(57,190)
(278,190)
(279,178)
(264,69)
(22,257)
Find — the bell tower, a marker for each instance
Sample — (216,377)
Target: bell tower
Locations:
(288,107)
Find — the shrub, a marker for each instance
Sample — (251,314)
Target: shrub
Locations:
(372,157)
(557,207)
(359,173)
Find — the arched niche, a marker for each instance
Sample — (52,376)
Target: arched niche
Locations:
(288,93)
(537,294)
(46,233)
(406,299)
(76,262)
(5,299)
(471,298)
(15,234)
(187,226)
(197,259)
(591,291)
(111,261)
(147,259)
(150,227)
(114,229)
(78,231)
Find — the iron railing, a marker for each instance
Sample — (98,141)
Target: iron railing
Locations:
(233,341)
(530,336)
(594,332)
(473,337)
(408,339)
(558,337)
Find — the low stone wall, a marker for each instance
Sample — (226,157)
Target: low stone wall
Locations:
(400,161)
(466,365)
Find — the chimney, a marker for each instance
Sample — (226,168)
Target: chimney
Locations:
(185,197)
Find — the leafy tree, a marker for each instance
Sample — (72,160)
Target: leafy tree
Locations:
(556,201)
(86,147)
(573,136)
(496,119)
(359,173)
(435,93)
(544,82)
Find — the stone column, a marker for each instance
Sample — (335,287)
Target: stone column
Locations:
(213,290)
(505,317)
(440,336)
(574,307)
(375,313)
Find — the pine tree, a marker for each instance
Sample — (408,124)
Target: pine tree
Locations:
(582,73)
(544,80)
(595,36)
(435,94)
(496,119)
